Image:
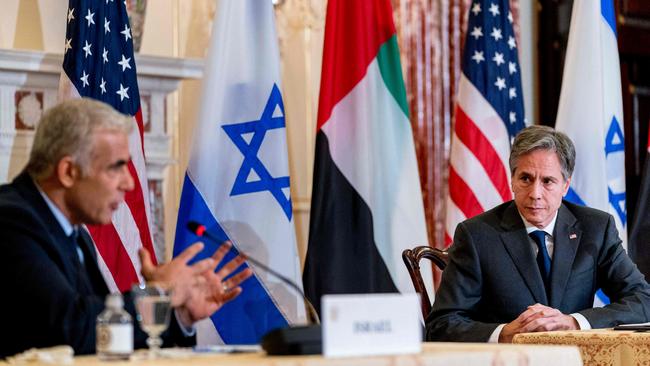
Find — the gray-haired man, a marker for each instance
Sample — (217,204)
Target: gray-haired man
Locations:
(52,288)
(535,263)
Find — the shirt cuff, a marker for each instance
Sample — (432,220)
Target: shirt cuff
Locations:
(583,323)
(494,338)
(187,332)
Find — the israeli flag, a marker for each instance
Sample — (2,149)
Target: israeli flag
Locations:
(237,180)
(591,112)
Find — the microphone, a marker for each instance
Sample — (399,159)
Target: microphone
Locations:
(201,231)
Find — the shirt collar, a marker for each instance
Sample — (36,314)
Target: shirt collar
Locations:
(548,229)
(60,217)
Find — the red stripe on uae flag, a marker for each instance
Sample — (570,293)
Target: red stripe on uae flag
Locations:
(367,23)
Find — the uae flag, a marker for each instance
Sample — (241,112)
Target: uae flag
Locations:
(366,201)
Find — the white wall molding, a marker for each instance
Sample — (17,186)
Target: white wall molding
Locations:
(29,82)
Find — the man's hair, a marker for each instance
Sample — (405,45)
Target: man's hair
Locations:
(544,138)
(67,130)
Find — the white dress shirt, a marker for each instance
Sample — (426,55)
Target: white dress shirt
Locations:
(583,323)
(68,228)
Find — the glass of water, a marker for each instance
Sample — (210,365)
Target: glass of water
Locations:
(153,304)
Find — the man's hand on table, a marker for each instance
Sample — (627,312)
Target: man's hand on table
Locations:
(537,318)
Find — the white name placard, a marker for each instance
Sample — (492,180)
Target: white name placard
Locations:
(370,324)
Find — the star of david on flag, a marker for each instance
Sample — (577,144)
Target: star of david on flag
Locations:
(237,179)
(272,118)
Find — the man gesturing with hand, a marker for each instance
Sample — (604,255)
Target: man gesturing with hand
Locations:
(199,291)
(78,174)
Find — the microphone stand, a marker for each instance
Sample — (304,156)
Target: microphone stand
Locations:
(300,340)
(310,307)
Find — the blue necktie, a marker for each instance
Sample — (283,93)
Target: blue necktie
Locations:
(79,254)
(543,259)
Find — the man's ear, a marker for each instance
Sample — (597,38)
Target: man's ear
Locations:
(67,171)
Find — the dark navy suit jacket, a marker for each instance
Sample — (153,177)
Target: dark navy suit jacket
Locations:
(47,299)
(492,274)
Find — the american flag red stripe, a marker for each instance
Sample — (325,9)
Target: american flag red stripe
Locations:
(99,63)
(472,137)
(119,241)
(462,195)
(135,199)
(115,257)
(140,124)
(488,114)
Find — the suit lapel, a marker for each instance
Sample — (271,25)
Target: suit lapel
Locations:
(61,246)
(517,245)
(566,239)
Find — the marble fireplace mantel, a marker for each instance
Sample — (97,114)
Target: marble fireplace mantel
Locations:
(28,85)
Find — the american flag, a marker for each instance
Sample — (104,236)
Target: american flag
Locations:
(489,113)
(99,63)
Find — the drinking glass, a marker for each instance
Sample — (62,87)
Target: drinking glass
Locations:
(153,305)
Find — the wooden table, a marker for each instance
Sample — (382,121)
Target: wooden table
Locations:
(433,354)
(598,347)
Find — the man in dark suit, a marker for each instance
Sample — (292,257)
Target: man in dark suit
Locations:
(535,263)
(52,288)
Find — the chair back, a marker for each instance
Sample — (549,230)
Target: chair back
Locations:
(412,259)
